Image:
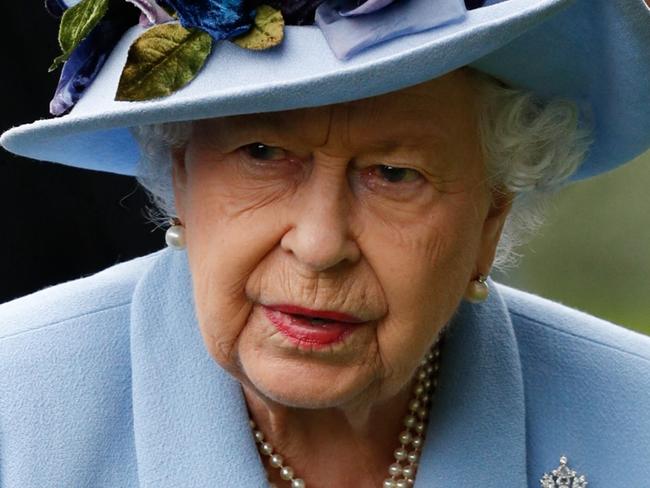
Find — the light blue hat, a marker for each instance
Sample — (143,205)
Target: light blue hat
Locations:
(596,52)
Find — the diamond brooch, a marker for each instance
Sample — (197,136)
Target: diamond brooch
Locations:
(563,477)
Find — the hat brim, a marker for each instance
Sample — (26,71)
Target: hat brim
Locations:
(592,51)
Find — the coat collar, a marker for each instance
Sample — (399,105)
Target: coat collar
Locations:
(191,423)
(189,416)
(477,428)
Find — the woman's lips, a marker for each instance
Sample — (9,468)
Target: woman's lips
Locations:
(311,327)
(321,314)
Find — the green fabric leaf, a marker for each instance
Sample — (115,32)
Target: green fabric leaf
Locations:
(161,61)
(76,24)
(267,30)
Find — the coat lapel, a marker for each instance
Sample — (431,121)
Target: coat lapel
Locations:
(191,424)
(477,428)
(190,421)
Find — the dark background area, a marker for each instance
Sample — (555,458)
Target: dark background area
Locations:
(59,223)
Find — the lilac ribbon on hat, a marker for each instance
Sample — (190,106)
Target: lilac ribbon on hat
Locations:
(366,7)
(348,32)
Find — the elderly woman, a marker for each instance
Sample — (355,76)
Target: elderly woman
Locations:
(324,318)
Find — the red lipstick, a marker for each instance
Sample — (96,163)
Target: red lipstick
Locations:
(321,314)
(315,328)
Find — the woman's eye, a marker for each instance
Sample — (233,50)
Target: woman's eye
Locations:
(260,151)
(395,174)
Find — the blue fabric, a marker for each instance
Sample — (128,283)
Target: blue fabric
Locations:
(592,51)
(105,382)
(222,19)
(348,34)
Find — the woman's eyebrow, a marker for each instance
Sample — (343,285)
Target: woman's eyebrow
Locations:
(409,142)
(259,123)
(402,152)
(274,130)
(288,129)
(229,131)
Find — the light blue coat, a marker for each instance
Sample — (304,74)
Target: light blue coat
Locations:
(105,382)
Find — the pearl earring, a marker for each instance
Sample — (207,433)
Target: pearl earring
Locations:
(477,290)
(175,235)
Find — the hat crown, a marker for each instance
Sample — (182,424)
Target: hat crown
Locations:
(554,48)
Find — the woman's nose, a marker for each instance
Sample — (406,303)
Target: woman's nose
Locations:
(320,236)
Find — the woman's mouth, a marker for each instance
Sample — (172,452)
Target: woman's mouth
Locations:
(312,328)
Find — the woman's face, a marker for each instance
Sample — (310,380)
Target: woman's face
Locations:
(378,208)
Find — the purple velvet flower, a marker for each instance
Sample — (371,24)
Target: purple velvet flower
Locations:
(152,13)
(80,70)
(222,19)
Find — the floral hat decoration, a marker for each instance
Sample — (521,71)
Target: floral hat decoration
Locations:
(172,52)
(132,62)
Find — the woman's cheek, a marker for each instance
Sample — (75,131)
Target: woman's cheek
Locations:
(223,254)
(220,305)
(423,269)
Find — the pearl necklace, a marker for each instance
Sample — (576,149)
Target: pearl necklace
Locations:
(402,471)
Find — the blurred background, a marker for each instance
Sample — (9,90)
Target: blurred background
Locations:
(62,223)
(593,253)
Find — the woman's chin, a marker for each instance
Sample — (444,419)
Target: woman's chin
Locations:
(304,377)
(312,388)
